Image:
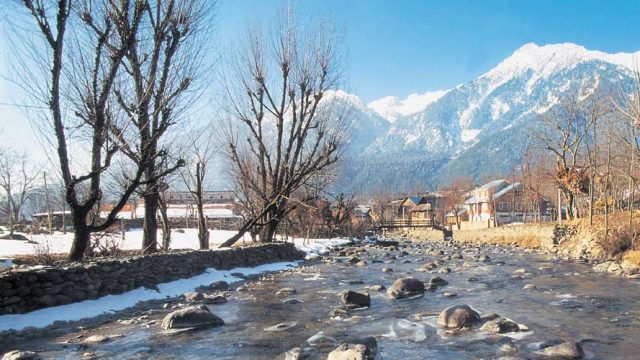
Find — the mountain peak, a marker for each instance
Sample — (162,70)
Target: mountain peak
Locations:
(391,107)
(547,59)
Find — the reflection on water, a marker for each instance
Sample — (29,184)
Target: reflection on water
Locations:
(563,300)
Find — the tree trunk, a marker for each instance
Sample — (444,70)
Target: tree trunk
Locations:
(203,231)
(150,225)
(81,235)
(166,227)
(268,231)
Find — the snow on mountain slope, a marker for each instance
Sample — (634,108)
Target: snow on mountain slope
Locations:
(481,125)
(391,108)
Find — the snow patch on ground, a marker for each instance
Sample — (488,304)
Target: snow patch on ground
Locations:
(61,243)
(112,303)
(316,247)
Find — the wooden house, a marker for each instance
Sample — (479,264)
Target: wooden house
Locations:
(502,202)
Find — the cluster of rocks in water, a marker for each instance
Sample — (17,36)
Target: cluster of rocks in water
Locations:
(191,310)
(456,319)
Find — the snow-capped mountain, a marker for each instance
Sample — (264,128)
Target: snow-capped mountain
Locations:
(391,108)
(479,127)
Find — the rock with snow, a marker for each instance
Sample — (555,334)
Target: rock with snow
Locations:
(21,355)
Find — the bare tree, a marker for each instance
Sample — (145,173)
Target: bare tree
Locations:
(161,68)
(18,179)
(102,36)
(566,131)
(282,133)
(200,152)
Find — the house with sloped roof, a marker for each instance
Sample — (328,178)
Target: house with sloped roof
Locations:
(503,202)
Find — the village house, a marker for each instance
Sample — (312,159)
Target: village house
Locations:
(424,210)
(500,202)
(219,207)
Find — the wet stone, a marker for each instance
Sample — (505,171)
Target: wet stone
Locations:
(458,317)
(191,317)
(355,298)
(567,350)
(500,326)
(406,287)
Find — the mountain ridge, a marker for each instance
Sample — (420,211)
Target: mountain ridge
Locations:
(467,130)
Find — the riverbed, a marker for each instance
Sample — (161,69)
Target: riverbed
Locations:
(553,300)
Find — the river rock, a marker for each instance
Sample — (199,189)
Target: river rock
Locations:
(387,269)
(444,270)
(500,326)
(193,296)
(458,317)
(438,281)
(21,355)
(567,350)
(282,326)
(297,354)
(219,298)
(191,317)
(286,291)
(377,288)
(406,287)
(96,339)
(351,352)
(355,298)
(219,286)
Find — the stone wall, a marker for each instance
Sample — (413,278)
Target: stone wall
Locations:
(23,290)
(525,235)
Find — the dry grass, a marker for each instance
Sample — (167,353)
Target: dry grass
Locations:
(632,256)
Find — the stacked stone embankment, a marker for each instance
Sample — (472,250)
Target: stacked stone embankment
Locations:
(23,290)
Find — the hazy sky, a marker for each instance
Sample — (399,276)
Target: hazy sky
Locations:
(401,47)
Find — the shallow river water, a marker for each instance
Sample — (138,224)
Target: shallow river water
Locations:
(569,302)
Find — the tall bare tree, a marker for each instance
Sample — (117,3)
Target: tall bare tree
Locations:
(200,152)
(282,133)
(566,133)
(18,180)
(161,68)
(101,37)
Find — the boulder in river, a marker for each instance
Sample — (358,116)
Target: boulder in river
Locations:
(21,355)
(297,354)
(286,291)
(458,317)
(193,296)
(438,281)
(349,351)
(500,326)
(354,298)
(406,287)
(566,350)
(191,317)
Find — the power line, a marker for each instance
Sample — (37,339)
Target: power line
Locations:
(23,105)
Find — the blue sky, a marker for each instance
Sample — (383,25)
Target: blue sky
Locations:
(401,47)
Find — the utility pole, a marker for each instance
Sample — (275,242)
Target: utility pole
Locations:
(559,207)
(48,204)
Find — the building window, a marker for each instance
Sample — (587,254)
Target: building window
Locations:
(518,193)
(518,206)
(503,206)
